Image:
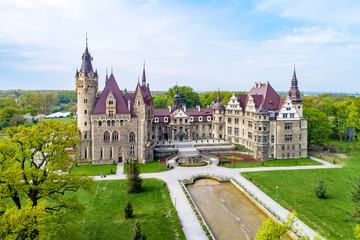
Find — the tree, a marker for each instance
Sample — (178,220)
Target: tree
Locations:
(355,197)
(160,100)
(188,96)
(357,231)
(134,180)
(138,235)
(128,209)
(319,125)
(320,189)
(31,161)
(16,120)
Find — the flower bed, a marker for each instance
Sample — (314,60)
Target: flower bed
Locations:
(193,164)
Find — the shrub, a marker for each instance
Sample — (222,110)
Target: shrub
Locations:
(223,160)
(134,180)
(320,189)
(128,209)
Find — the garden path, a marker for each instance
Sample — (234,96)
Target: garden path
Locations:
(191,225)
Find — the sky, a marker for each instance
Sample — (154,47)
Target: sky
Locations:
(208,44)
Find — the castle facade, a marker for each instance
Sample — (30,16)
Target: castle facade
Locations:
(117,126)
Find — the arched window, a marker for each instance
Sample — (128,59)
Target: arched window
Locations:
(106,136)
(115,136)
(99,123)
(113,122)
(101,153)
(111,152)
(121,122)
(108,122)
(132,137)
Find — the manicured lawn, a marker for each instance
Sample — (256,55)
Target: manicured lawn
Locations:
(272,163)
(104,214)
(94,170)
(65,120)
(327,216)
(149,167)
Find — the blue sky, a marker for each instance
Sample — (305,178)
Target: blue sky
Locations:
(227,44)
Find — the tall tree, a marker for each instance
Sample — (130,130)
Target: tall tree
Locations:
(31,161)
(134,180)
(319,125)
(188,96)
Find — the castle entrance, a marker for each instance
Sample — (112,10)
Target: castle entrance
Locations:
(120,158)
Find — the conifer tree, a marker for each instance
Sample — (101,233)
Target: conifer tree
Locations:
(128,209)
(138,235)
(134,180)
(320,189)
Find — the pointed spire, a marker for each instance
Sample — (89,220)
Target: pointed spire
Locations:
(144,76)
(112,69)
(176,99)
(218,99)
(294,92)
(86,66)
(107,77)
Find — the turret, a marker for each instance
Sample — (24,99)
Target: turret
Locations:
(86,82)
(176,100)
(294,94)
(218,121)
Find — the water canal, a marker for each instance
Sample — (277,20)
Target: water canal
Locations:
(226,210)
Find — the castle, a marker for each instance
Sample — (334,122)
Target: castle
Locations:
(117,126)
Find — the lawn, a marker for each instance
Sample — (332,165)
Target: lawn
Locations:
(104,215)
(149,167)
(94,170)
(327,216)
(65,120)
(271,163)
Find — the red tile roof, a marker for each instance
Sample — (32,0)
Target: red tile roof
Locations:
(121,104)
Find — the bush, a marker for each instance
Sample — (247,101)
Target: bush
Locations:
(134,180)
(223,160)
(320,189)
(128,209)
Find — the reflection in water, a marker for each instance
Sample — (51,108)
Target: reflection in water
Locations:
(226,210)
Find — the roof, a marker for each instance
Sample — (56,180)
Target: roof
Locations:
(270,98)
(217,104)
(121,105)
(146,94)
(86,66)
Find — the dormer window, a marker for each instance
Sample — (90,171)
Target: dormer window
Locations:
(111,113)
(191,119)
(208,118)
(111,102)
(200,119)
(166,119)
(156,119)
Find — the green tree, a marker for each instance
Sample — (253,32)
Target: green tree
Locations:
(160,100)
(134,181)
(31,161)
(341,115)
(138,235)
(357,231)
(355,197)
(319,125)
(188,96)
(128,209)
(16,120)
(320,188)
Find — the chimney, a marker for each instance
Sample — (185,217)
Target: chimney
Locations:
(198,107)
(255,85)
(169,108)
(129,105)
(184,108)
(267,83)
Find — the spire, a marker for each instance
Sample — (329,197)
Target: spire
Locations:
(144,76)
(86,66)
(176,99)
(294,92)
(106,78)
(218,99)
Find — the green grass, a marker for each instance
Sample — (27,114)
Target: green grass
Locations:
(104,216)
(273,163)
(343,144)
(149,167)
(327,216)
(94,170)
(65,120)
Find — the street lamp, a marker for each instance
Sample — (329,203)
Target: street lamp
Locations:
(277,192)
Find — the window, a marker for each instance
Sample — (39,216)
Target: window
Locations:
(132,137)
(229,120)
(85,123)
(284,115)
(250,135)
(159,128)
(121,122)
(209,127)
(288,138)
(259,139)
(272,138)
(265,127)
(292,115)
(236,130)
(185,120)
(229,130)
(259,127)
(200,119)
(85,111)
(288,126)
(115,136)
(156,119)
(283,147)
(288,109)
(293,147)
(203,127)
(106,136)
(236,120)
(166,119)
(113,122)
(132,150)
(265,139)
(220,128)
(175,121)
(259,117)
(110,153)
(111,102)
(85,135)
(85,100)
(180,120)
(264,117)
(220,119)
(101,153)
(250,124)
(299,154)
(208,118)
(300,137)
(111,113)
(108,122)
(99,123)
(191,119)
(85,153)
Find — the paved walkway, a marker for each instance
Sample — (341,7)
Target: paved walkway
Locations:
(191,225)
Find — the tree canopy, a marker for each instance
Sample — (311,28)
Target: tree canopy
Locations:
(34,183)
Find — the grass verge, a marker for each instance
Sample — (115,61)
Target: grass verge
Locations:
(104,216)
(272,163)
(150,167)
(94,170)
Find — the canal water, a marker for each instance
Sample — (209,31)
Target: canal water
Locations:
(226,210)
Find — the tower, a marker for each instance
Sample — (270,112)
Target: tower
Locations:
(294,94)
(86,83)
(218,121)
(176,100)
